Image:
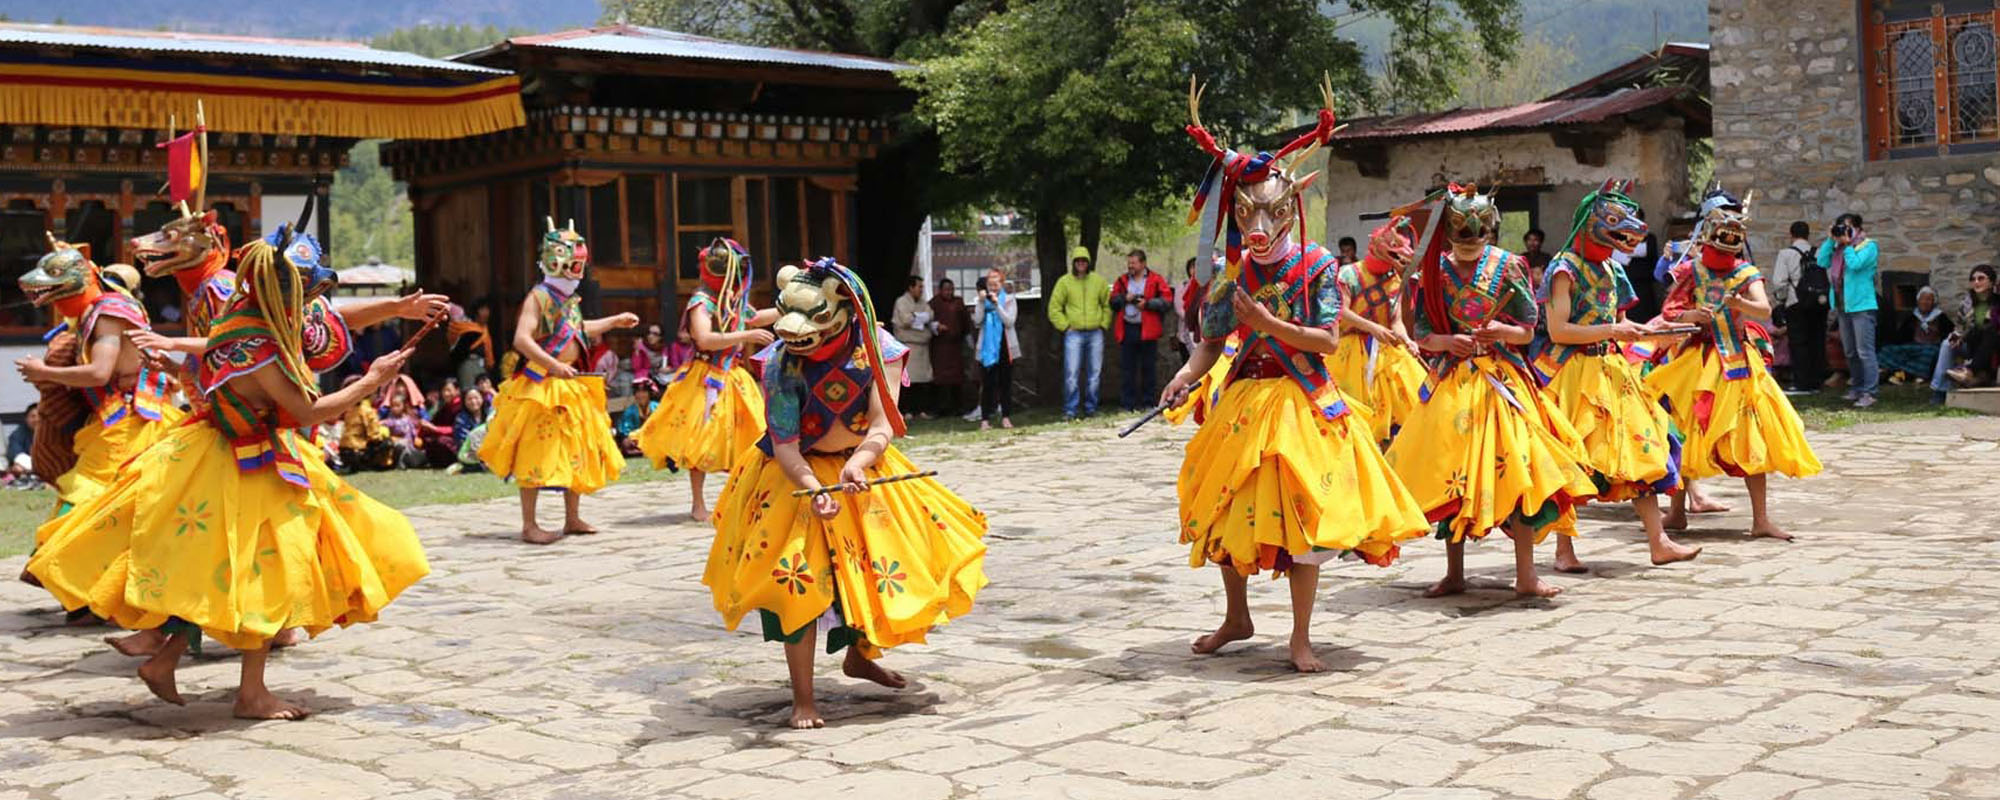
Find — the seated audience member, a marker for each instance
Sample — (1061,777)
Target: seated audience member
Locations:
(20,443)
(364,443)
(634,416)
(1913,349)
(472,416)
(1975,340)
(414,439)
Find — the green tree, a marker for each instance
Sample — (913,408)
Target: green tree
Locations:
(370,217)
(439,41)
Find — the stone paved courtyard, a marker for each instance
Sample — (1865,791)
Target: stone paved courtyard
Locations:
(1857,663)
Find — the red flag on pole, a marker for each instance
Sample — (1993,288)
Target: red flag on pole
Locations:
(184,175)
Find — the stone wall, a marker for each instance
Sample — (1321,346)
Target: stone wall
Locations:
(1657,157)
(1788,123)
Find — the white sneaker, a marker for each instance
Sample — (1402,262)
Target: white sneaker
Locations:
(1864,401)
(971,416)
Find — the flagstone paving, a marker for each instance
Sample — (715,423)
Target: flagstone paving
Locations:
(1859,662)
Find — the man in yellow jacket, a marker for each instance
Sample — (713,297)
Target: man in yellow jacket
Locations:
(1080,307)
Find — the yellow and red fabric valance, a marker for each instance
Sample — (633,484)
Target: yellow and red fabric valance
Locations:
(127,93)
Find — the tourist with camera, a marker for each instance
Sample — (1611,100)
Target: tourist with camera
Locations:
(1850,260)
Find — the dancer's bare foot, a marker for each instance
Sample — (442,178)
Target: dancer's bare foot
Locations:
(1671,551)
(143,643)
(1701,504)
(1538,588)
(1230,631)
(806,717)
(1770,530)
(859,666)
(1568,564)
(1303,658)
(288,637)
(264,705)
(158,675)
(700,513)
(577,527)
(536,534)
(1674,520)
(1450,585)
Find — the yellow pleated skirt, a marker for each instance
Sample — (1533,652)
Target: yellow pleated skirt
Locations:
(553,433)
(1735,427)
(1383,377)
(1475,456)
(1203,395)
(101,450)
(706,419)
(1269,480)
(184,533)
(900,558)
(1625,435)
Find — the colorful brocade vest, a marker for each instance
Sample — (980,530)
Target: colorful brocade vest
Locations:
(561,324)
(1598,292)
(804,399)
(1708,290)
(111,402)
(239,343)
(1301,288)
(1369,295)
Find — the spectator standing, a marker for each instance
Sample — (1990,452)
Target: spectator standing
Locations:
(911,324)
(1639,266)
(1976,339)
(1799,288)
(1538,259)
(999,347)
(952,321)
(1850,257)
(1141,298)
(1080,307)
(1187,304)
(1348,253)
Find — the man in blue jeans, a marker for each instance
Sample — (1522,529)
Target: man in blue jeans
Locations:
(1850,258)
(1080,307)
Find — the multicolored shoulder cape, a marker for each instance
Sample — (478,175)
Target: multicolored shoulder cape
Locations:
(561,324)
(148,397)
(1732,334)
(1598,292)
(804,400)
(1303,288)
(240,343)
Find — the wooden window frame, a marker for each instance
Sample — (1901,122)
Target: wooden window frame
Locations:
(1938,18)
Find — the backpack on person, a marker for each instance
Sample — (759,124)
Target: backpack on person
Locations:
(1813,286)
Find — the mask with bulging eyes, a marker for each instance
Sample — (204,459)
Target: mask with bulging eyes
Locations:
(1615,223)
(563,254)
(64,272)
(812,311)
(1726,226)
(183,243)
(1266,211)
(305,256)
(1470,219)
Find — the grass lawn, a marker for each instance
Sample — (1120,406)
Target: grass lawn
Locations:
(1829,411)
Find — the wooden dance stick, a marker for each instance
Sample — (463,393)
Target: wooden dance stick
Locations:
(1150,416)
(429,325)
(907,476)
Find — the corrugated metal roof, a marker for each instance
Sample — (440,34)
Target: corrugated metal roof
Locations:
(120,39)
(1635,72)
(639,40)
(1539,114)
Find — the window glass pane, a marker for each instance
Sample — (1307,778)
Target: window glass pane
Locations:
(569,208)
(603,234)
(1912,88)
(91,223)
(1973,106)
(704,201)
(785,245)
(640,218)
(687,252)
(819,221)
(232,221)
(21,245)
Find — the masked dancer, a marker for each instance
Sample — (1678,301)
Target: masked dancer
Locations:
(1484,449)
(232,525)
(550,429)
(1627,439)
(1284,475)
(870,567)
(1376,361)
(1718,384)
(712,411)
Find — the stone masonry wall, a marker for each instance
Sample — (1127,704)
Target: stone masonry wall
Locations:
(1789,124)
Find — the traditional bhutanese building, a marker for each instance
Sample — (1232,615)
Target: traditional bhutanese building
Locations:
(654,143)
(82,111)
